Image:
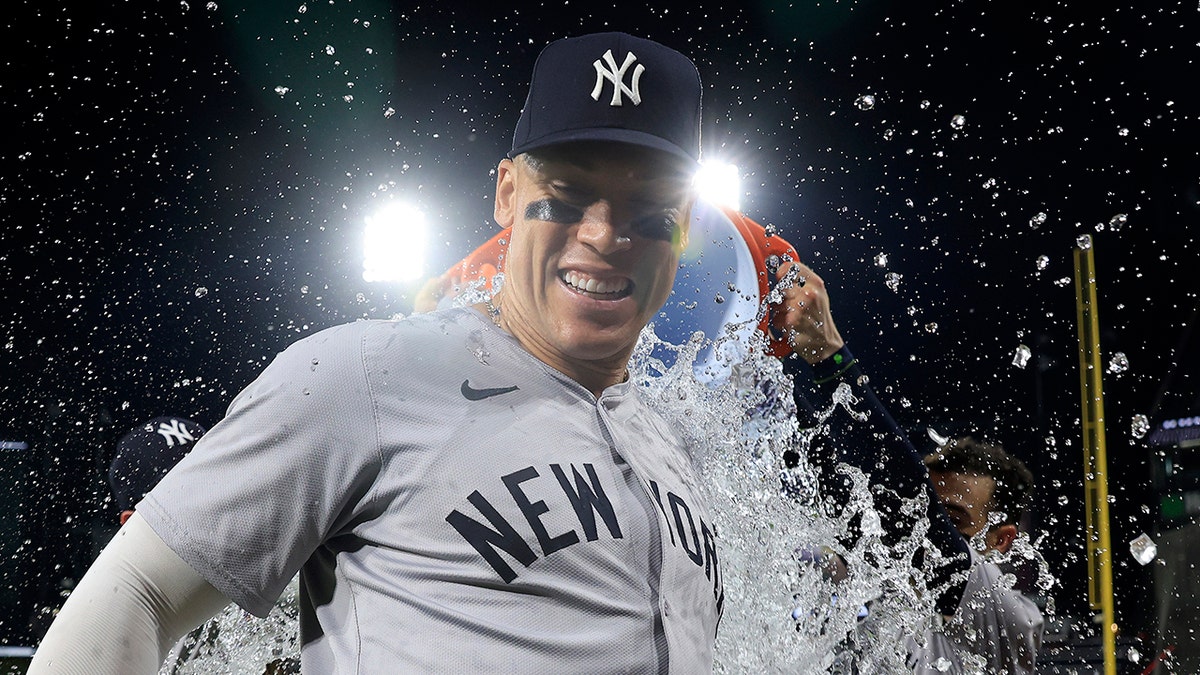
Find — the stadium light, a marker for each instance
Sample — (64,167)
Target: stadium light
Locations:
(720,184)
(394,244)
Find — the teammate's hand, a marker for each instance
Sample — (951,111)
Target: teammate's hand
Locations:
(803,315)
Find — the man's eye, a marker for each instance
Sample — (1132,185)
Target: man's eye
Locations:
(658,226)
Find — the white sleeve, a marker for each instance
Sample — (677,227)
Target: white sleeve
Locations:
(135,601)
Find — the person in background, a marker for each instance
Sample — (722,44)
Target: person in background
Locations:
(144,455)
(985,491)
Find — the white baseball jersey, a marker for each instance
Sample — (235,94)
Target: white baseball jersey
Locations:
(996,627)
(453,505)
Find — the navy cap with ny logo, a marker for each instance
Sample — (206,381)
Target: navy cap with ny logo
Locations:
(612,87)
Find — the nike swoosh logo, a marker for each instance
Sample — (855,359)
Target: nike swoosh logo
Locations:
(472,394)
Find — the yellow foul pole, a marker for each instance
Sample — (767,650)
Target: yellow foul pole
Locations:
(1099,545)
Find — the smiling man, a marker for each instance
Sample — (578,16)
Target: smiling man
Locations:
(597,233)
(473,489)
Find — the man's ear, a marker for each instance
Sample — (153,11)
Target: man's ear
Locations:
(505,208)
(1002,538)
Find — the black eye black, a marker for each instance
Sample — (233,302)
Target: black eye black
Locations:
(553,211)
(657,226)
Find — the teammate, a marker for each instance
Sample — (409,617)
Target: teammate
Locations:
(144,455)
(476,488)
(984,489)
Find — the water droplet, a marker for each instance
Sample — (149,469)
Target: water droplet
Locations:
(1063,500)
(1133,655)
(719,299)
(1123,131)
(931,327)
(924,105)
(1117,222)
(1037,219)
(304,290)
(360,298)
(892,280)
(1021,356)
(201,292)
(865,102)
(958,122)
(1083,241)
(1119,363)
(1140,426)
(770,230)
(329,50)
(989,183)
(772,262)
(212,7)
(889,134)
(1064,281)
(302,9)
(942,664)
(389,112)
(1043,261)
(881,260)
(314,365)
(306,391)
(350,97)
(1143,549)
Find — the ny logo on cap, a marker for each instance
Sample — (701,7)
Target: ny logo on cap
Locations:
(617,77)
(175,432)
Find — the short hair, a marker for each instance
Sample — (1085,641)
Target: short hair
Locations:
(1014,481)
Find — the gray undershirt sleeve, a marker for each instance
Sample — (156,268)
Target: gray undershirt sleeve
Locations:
(135,601)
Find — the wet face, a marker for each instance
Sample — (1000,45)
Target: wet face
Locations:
(967,498)
(597,233)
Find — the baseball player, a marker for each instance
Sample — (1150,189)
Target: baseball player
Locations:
(469,489)
(144,455)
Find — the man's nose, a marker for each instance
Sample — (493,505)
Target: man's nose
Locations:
(604,229)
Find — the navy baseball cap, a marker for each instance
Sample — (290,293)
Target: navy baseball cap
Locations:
(146,454)
(612,87)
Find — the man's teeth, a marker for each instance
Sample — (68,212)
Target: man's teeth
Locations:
(598,286)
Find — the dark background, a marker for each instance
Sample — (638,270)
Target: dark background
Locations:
(169,221)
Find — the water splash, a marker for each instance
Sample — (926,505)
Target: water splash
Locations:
(1021,356)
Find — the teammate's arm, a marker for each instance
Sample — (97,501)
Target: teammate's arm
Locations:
(135,601)
(876,446)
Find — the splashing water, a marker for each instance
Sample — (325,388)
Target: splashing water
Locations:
(1143,548)
(1119,363)
(1021,356)
(783,613)
(1139,426)
(236,642)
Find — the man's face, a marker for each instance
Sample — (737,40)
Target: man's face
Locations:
(597,233)
(967,498)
